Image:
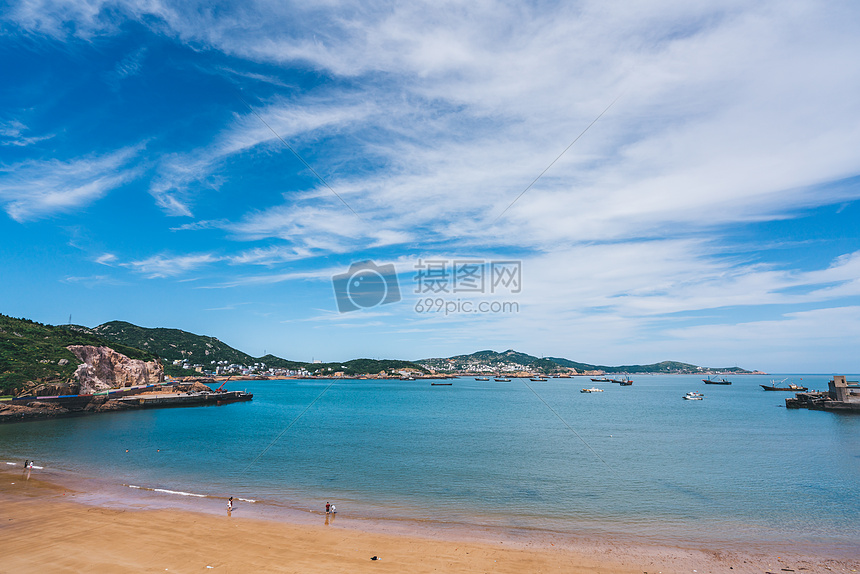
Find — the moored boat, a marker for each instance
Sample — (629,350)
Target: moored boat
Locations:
(791,387)
(603,380)
(710,381)
(694,396)
(482,378)
(502,380)
(591,390)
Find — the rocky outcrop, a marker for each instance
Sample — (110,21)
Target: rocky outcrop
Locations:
(34,410)
(193,387)
(103,368)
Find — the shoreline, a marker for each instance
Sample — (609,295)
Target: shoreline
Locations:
(40,509)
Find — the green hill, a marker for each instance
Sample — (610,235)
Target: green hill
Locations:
(662,367)
(32,353)
(363,367)
(494,360)
(549,365)
(173,344)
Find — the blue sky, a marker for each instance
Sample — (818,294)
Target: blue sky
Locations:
(709,215)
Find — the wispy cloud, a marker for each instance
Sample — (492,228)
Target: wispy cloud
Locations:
(92,281)
(12,133)
(35,189)
(106,259)
(160,266)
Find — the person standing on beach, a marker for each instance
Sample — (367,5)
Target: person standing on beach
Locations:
(327,507)
(230,505)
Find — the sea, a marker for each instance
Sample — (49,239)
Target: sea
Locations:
(736,470)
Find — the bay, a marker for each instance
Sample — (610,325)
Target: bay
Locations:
(736,468)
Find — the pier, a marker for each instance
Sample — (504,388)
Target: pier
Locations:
(841,396)
(162,400)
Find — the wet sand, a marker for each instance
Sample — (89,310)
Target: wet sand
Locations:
(43,527)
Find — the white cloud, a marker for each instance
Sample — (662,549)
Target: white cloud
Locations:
(36,189)
(12,134)
(159,266)
(732,112)
(106,259)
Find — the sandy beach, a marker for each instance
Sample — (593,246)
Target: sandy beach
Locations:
(43,528)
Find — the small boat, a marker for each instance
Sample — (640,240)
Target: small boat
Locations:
(538,380)
(482,378)
(625,381)
(441,384)
(694,396)
(603,380)
(591,390)
(791,387)
(710,381)
(502,380)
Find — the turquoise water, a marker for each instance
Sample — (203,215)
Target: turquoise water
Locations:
(735,468)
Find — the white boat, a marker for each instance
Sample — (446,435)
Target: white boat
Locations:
(591,390)
(694,396)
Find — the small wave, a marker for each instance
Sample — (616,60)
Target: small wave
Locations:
(164,490)
(179,492)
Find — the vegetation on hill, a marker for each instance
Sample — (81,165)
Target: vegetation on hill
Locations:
(364,367)
(173,344)
(494,360)
(32,353)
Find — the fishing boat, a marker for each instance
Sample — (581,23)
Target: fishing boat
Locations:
(603,380)
(791,387)
(502,380)
(538,380)
(625,381)
(591,390)
(441,384)
(482,378)
(710,381)
(694,396)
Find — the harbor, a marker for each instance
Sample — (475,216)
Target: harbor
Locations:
(842,395)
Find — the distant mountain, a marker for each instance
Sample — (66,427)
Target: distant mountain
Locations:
(510,360)
(662,367)
(173,344)
(482,360)
(364,367)
(32,353)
